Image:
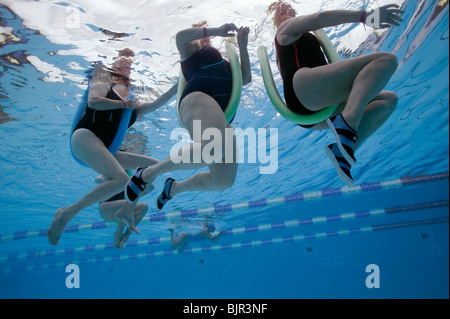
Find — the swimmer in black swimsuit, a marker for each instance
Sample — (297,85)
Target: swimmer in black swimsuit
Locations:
(206,94)
(208,72)
(104,123)
(95,131)
(356,84)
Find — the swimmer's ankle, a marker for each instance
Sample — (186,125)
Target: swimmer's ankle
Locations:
(348,135)
(147,175)
(347,124)
(173,192)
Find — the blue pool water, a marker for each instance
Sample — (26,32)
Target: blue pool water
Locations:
(298,233)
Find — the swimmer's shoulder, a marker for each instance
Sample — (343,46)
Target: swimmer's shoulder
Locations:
(99,89)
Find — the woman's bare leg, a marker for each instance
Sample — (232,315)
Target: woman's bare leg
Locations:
(88,148)
(196,109)
(176,241)
(130,161)
(375,115)
(221,176)
(357,81)
(133,161)
(200,108)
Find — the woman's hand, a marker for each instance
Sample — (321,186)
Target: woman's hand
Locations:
(226,30)
(130,104)
(385,16)
(242,37)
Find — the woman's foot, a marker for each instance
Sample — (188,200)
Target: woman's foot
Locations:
(345,136)
(342,166)
(60,221)
(135,186)
(126,216)
(165,195)
(119,238)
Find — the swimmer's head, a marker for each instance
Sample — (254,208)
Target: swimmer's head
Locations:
(126,53)
(118,76)
(121,69)
(119,79)
(283,11)
(210,227)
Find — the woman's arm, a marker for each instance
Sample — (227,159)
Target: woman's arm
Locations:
(245,59)
(292,29)
(148,107)
(185,37)
(97,99)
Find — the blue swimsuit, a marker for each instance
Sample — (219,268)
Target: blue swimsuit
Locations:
(195,237)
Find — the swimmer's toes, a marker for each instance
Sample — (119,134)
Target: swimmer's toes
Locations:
(53,239)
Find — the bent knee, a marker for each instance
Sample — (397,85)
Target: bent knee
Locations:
(391,100)
(118,182)
(390,61)
(142,207)
(224,184)
(228,184)
(123,178)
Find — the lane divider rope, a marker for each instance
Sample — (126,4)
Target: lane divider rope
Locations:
(213,210)
(238,245)
(295,223)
